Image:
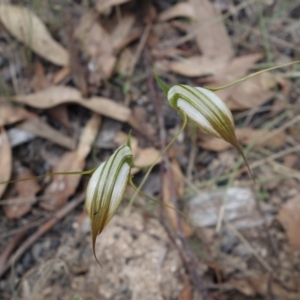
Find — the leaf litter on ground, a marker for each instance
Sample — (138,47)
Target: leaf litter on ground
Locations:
(225,70)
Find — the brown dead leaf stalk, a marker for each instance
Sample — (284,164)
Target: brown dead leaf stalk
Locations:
(63,186)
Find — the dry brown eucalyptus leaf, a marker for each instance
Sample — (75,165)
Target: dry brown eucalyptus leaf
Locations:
(253,92)
(62,94)
(237,68)
(64,186)
(211,37)
(29,29)
(42,129)
(195,66)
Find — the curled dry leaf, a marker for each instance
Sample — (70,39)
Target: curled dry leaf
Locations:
(10,114)
(289,217)
(63,186)
(29,29)
(181,9)
(26,191)
(246,136)
(103,6)
(5,160)
(62,94)
(41,129)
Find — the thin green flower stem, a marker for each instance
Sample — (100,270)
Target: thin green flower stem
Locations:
(184,118)
(87,172)
(186,217)
(213,89)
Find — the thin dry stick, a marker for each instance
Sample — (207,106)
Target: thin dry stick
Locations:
(16,240)
(282,128)
(20,229)
(244,240)
(279,168)
(274,156)
(192,156)
(42,230)
(137,55)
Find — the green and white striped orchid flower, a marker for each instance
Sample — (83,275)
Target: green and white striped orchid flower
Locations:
(106,190)
(206,110)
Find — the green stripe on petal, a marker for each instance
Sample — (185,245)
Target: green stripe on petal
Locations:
(106,189)
(207,111)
